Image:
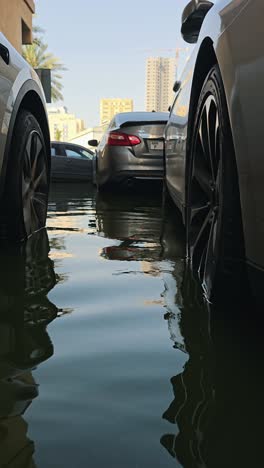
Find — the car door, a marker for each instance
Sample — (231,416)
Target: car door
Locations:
(244,84)
(58,162)
(79,163)
(175,141)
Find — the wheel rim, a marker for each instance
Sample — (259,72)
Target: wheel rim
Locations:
(205,194)
(34,184)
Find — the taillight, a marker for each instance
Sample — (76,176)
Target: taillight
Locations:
(122,139)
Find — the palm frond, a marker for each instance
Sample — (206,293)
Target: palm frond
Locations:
(38,56)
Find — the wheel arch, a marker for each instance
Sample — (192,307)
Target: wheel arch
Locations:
(206,59)
(29,98)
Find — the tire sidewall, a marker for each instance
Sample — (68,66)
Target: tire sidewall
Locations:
(25,124)
(228,189)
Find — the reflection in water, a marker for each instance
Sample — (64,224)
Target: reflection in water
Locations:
(26,277)
(193,389)
(217,396)
(134,221)
(71,203)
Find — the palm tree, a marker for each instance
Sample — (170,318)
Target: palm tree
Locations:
(58,134)
(38,56)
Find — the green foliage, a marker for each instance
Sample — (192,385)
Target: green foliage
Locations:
(38,56)
(58,134)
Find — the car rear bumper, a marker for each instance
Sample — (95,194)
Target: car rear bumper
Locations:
(122,176)
(119,166)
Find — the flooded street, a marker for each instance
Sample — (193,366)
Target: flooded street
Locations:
(109,355)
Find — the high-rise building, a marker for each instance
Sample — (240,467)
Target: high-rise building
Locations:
(110,107)
(160,78)
(63,126)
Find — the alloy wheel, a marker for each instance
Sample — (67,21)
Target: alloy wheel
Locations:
(205,193)
(34,183)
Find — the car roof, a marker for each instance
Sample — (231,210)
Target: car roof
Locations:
(64,143)
(67,143)
(126,117)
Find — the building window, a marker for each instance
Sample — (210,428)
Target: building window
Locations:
(26,33)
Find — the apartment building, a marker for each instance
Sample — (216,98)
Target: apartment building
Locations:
(110,107)
(160,78)
(63,124)
(16,21)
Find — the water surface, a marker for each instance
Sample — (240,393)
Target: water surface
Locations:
(109,355)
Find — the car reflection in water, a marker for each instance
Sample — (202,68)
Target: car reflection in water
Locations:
(218,396)
(136,221)
(215,412)
(26,277)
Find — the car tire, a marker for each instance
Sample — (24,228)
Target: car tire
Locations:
(27,179)
(215,245)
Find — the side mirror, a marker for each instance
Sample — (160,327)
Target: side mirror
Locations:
(192,19)
(44,75)
(176,86)
(169,108)
(94,143)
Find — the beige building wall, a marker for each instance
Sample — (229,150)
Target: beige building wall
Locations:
(110,107)
(92,133)
(16,21)
(67,124)
(160,78)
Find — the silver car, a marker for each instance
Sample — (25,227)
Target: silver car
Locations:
(24,147)
(214,142)
(131,148)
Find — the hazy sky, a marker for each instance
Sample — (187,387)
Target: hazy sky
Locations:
(104,45)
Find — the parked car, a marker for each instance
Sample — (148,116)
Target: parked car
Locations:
(24,147)
(214,139)
(70,162)
(131,148)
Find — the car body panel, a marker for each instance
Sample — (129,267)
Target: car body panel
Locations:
(145,160)
(234,28)
(17,79)
(68,168)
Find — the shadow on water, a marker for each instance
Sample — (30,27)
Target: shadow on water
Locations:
(217,400)
(26,277)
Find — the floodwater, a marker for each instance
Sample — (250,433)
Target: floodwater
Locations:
(109,356)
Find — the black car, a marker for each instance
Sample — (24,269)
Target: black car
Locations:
(70,162)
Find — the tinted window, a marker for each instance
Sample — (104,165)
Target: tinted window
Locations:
(86,154)
(56,150)
(72,152)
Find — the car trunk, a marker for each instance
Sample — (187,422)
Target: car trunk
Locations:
(151,135)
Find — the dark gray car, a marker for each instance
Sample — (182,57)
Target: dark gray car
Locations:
(70,162)
(131,148)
